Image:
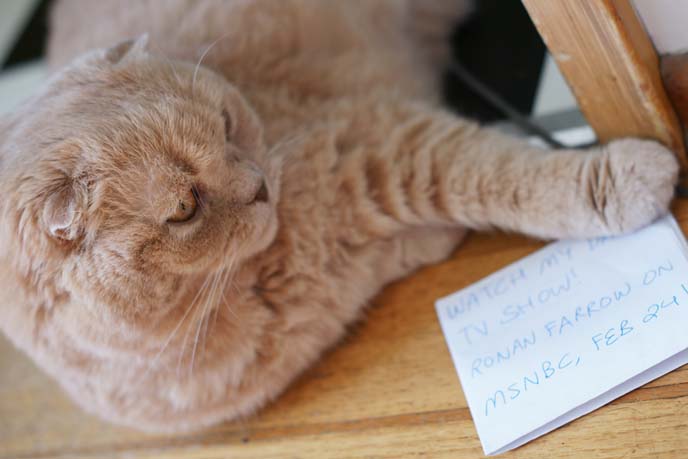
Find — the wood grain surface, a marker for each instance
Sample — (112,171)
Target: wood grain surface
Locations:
(611,66)
(388,391)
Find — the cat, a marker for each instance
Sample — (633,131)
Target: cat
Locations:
(192,217)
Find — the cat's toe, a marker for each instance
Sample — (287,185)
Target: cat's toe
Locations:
(641,176)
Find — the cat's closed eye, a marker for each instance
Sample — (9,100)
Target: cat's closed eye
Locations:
(186,207)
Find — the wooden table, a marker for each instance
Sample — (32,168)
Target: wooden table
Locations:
(388,391)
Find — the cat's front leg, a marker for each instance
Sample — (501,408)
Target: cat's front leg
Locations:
(612,189)
(436,169)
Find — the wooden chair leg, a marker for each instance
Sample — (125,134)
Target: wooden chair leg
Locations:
(611,65)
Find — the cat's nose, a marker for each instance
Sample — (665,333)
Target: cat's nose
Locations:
(262,195)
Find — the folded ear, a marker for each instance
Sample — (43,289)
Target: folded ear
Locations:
(127,49)
(63,215)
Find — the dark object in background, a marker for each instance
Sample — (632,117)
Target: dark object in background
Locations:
(499,45)
(30,44)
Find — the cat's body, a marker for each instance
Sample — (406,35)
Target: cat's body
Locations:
(367,180)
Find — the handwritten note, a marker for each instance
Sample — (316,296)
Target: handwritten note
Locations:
(567,330)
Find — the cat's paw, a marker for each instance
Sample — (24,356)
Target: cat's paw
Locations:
(639,178)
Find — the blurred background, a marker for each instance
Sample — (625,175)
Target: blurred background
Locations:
(499,45)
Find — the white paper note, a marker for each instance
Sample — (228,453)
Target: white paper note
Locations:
(568,329)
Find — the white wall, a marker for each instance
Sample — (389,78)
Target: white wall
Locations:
(667,23)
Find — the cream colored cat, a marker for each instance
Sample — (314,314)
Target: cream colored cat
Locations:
(180,241)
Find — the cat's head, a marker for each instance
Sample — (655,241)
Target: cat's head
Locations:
(130,176)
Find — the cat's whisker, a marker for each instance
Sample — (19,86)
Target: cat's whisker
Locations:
(200,60)
(229,308)
(287,141)
(217,308)
(230,281)
(201,201)
(204,332)
(171,66)
(173,333)
(195,307)
(283,144)
(233,285)
(215,313)
(204,311)
(231,271)
(214,307)
(195,344)
(227,274)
